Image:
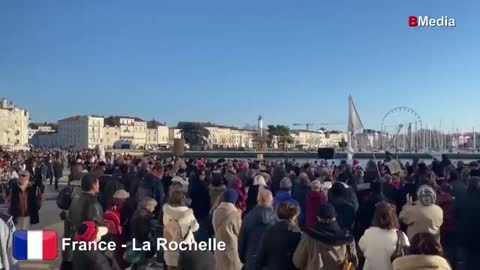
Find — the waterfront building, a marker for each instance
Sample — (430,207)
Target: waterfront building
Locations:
(13,124)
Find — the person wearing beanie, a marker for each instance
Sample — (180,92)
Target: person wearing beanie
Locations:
(227,220)
(89,231)
(325,245)
(422,215)
(315,198)
(258,184)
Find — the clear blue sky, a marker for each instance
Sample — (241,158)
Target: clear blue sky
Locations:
(229,61)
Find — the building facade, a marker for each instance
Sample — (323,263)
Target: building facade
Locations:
(132,129)
(13,124)
(157,133)
(80,131)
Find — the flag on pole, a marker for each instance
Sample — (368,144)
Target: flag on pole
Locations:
(354,124)
(35,245)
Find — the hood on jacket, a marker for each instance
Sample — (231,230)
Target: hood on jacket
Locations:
(262,215)
(219,189)
(444,199)
(283,195)
(178,212)
(329,233)
(421,262)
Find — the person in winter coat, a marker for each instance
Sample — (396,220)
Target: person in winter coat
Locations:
(227,219)
(280,241)
(200,202)
(338,197)
(423,215)
(300,190)
(315,198)
(349,195)
(284,194)
(140,225)
(151,186)
(253,227)
(258,183)
(176,210)
(467,216)
(447,231)
(242,194)
(196,260)
(385,226)
(424,253)
(367,208)
(216,190)
(325,246)
(24,202)
(89,231)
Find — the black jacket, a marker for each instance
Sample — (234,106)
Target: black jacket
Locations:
(345,212)
(93,260)
(253,227)
(33,203)
(467,215)
(85,206)
(112,184)
(252,197)
(198,192)
(300,191)
(57,169)
(140,225)
(277,247)
(196,260)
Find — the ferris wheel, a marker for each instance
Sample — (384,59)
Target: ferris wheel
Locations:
(402,128)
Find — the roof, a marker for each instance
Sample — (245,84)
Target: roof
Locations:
(78,117)
(154,124)
(210,125)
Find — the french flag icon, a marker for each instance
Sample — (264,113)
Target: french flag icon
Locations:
(35,245)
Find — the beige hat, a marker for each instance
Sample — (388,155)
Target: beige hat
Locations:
(121,194)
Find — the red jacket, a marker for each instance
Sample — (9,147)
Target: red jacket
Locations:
(313,201)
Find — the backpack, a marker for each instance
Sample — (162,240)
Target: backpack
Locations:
(111,218)
(172,232)
(64,198)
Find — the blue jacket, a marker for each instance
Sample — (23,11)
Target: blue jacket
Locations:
(284,196)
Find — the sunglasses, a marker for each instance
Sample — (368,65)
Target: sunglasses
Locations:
(24,175)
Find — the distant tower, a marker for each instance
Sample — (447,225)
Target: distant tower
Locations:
(260,126)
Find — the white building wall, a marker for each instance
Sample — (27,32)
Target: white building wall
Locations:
(13,124)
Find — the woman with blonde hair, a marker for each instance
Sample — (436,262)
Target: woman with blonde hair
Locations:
(175,211)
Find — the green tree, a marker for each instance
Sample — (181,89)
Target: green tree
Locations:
(194,133)
(282,132)
(343,144)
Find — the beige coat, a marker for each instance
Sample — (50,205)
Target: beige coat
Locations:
(312,254)
(188,225)
(227,220)
(419,219)
(421,262)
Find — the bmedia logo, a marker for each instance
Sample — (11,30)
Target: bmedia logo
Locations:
(35,245)
(425,21)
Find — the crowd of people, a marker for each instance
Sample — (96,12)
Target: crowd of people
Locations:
(272,215)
